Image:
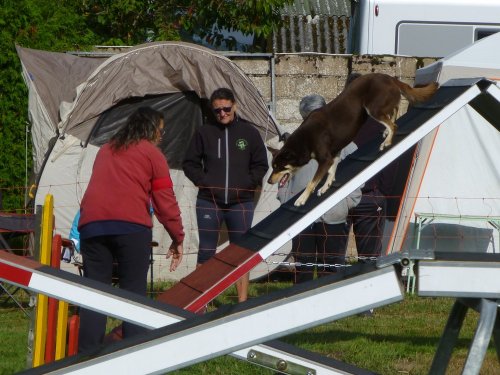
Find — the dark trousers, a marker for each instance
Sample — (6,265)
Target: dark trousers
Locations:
(368,221)
(319,246)
(131,252)
(210,216)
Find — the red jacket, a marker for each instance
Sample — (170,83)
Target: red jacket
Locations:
(124,182)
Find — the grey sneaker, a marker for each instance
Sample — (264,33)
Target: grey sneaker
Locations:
(366,314)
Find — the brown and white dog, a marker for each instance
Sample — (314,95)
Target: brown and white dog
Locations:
(326,131)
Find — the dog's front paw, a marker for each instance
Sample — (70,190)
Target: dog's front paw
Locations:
(323,189)
(385,144)
(302,199)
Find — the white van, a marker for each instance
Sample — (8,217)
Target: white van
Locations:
(422,28)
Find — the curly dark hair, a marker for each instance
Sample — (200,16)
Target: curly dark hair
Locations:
(143,123)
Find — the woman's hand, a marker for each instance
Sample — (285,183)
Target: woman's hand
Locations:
(175,251)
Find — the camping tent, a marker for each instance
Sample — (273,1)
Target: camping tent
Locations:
(452,198)
(76,103)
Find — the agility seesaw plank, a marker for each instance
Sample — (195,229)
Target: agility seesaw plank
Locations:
(65,286)
(143,311)
(461,275)
(239,326)
(205,283)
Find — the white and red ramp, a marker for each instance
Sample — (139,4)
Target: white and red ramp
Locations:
(191,338)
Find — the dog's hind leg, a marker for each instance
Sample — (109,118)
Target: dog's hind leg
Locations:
(390,129)
(331,175)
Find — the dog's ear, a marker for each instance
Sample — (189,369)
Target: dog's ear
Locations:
(273,151)
(287,156)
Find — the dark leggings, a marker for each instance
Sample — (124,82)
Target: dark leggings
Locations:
(319,246)
(210,216)
(131,252)
(368,221)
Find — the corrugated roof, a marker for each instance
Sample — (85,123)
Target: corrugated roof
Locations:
(325,34)
(318,7)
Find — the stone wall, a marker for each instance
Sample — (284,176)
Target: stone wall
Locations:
(297,75)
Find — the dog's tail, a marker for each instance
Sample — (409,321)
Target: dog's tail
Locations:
(417,94)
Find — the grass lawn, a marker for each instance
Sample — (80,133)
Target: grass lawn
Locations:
(399,339)
(14,326)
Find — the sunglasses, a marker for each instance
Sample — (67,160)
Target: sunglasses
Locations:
(219,110)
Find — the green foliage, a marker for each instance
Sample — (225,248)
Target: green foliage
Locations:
(137,21)
(40,24)
(130,22)
(210,18)
(13,105)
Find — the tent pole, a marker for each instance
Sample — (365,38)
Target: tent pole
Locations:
(26,166)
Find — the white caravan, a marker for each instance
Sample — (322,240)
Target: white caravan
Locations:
(421,28)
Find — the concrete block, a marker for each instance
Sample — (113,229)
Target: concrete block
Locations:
(287,110)
(287,65)
(297,87)
(263,84)
(379,64)
(333,65)
(252,66)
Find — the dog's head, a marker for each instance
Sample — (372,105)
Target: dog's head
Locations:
(285,163)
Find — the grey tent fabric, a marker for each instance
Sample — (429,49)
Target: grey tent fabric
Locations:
(56,76)
(52,78)
(68,93)
(159,68)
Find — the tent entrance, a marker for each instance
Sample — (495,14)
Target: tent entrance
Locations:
(183,113)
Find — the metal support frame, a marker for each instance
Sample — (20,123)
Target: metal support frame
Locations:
(472,280)
(424,219)
(488,324)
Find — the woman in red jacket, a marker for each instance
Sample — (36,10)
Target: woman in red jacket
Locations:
(130,173)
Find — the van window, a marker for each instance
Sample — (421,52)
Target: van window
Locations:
(432,40)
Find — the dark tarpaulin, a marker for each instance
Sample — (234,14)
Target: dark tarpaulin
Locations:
(182,112)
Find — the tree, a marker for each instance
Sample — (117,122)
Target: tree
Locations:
(131,22)
(41,24)
(209,18)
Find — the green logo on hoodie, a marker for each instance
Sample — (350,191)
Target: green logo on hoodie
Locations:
(242,144)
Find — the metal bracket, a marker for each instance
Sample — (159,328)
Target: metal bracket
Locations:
(279,364)
(405,258)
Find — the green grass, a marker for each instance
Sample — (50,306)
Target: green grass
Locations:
(400,339)
(14,326)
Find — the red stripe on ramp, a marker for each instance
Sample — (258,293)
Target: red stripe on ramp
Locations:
(15,275)
(224,283)
(13,268)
